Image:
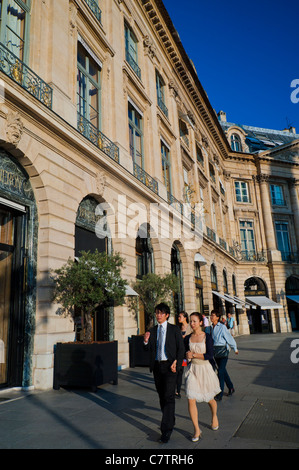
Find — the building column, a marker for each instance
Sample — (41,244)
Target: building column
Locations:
(273,254)
(294,194)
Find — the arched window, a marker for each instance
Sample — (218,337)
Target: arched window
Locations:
(214,277)
(234,285)
(176,269)
(225,285)
(235,142)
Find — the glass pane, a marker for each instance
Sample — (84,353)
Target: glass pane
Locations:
(5,293)
(15,29)
(6,228)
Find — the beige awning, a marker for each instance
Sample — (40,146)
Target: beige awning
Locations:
(130,291)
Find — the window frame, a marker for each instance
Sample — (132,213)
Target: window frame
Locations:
(26,7)
(235,141)
(241,195)
(135,130)
(280,200)
(246,230)
(131,49)
(286,223)
(166,166)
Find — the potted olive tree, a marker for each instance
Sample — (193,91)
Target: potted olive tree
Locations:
(81,287)
(151,289)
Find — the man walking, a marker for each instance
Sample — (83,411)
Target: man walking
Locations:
(167,351)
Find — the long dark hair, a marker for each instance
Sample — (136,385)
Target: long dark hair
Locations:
(199,315)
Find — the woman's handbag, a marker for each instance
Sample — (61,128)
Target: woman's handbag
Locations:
(220,351)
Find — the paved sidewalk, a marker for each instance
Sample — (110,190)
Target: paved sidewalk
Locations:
(262,414)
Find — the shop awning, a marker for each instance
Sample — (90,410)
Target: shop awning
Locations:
(218,294)
(130,291)
(198,258)
(294,298)
(234,301)
(263,302)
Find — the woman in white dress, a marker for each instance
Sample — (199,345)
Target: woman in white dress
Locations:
(201,381)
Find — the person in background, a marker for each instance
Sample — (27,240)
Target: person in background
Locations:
(183,321)
(230,324)
(201,381)
(166,347)
(223,340)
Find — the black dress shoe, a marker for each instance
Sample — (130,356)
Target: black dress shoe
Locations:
(177,395)
(231,391)
(165,436)
(218,397)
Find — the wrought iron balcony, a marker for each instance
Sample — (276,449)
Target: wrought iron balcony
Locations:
(162,105)
(133,64)
(97,138)
(20,73)
(222,243)
(211,234)
(95,9)
(177,205)
(145,178)
(253,256)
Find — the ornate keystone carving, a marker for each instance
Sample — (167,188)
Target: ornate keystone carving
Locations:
(14,128)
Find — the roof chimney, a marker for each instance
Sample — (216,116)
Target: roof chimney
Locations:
(222,116)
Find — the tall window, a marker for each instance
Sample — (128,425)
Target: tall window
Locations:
(236,143)
(135,135)
(247,237)
(276,192)
(283,239)
(132,50)
(160,85)
(165,155)
(14,26)
(199,155)
(214,282)
(88,87)
(241,190)
(184,133)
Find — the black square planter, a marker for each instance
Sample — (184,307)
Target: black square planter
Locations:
(85,364)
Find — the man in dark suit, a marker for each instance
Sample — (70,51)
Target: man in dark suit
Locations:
(167,351)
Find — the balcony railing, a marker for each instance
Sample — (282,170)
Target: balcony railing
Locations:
(145,178)
(290,257)
(20,73)
(95,9)
(211,234)
(162,106)
(133,64)
(97,138)
(254,256)
(222,243)
(177,205)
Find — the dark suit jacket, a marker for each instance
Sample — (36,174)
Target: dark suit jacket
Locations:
(174,345)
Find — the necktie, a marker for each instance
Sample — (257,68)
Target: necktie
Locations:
(160,342)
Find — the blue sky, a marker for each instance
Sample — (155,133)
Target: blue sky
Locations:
(246,54)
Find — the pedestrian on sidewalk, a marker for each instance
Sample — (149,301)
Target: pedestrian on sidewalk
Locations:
(183,321)
(223,340)
(230,324)
(166,347)
(201,382)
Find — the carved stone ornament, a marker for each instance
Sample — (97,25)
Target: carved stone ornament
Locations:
(73,17)
(101,183)
(14,128)
(149,46)
(262,178)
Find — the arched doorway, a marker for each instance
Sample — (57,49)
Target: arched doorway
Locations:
(89,237)
(292,295)
(177,270)
(144,265)
(259,319)
(18,249)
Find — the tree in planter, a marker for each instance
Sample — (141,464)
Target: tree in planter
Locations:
(153,289)
(92,281)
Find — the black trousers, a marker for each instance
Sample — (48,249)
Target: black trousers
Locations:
(165,381)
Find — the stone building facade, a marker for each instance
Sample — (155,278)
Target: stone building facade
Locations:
(106,133)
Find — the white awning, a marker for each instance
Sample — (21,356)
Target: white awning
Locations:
(263,302)
(233,300)
(294,298)
(218,294)
(130,291)
(198,258)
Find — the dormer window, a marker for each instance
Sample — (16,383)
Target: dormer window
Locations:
(235,143)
